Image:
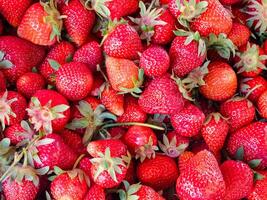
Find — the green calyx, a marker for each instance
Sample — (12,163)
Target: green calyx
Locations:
(99,6)
(130,191)
(146,151)
(4,64)
(217,116)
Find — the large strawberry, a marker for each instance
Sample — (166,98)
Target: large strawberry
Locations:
(201,179)
(259,191)
(239,34)
(262,104)
(183,160)
(18,56)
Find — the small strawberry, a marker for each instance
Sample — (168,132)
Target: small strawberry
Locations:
(48,111)
(46,17)
(155,61)
(238,179)
(30,83)
(214,131)
(2,82)
(188,121)
(259,191)
(183,160)
(95,192)
(239,34)
(201,179)
(262,104)
(239,112)
(85,165)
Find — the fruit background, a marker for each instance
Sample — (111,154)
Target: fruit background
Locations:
(133,99)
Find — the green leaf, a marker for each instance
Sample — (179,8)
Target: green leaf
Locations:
(6,64)
(254,163)
(54,64)
(240,153)
(258,176)
(60,108)
(78,123)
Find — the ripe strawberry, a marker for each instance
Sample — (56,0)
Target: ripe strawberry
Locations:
(238,179)
(262,104)
(239,34)
(1,26)
(18,56)
(202,178)
(48,111)
(130,174)
(214,131)
(239,112)
(30,83)
(259,191)
(117,132)
(254,85)
(239,15)
(98,82)
(230,2)
(183,160)
(46,17)
(155,61)
(252,139)
(161,96)
(188,121)
(60,53)
(79,21)
(85,165)
(14,10)
(90,54)
(69,185)
(95,192)
(74,80)
(122,41)
(159,173)
(13,108)
(2,82)
(250,61)
(220,74)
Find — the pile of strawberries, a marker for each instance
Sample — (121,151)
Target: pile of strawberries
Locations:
(133,99)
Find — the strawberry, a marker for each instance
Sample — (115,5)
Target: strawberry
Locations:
(1,26)
(183,160)
(98,82)
(69,185)
(90,54)
(60,53)
(230,2)
(201,179)
(238,179)
(239,15)
(13,10)
(116,132)
(30,83)
(214,131)
(85,165)
(259,191)
(95,192)
(46,18)
(73,140)
(122,41)
(239,34)
(79,21)
(13,108)
(74,80)
(159,173)
(48,111)
(239,112)
(2,82)
(188,121)
(253,87)
(251,138)
(18,56)
(250,61)
(130,174)
(262,104)
(161,96)
(155,61)
(220,74)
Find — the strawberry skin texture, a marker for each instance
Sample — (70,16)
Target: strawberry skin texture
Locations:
(215,19)
(253,140)
(184,58)
(13,10)
(220,74)
(2,82)
(12,133)
(85,165)
(188,121)
(161,96)
(238,179)
(79,21)
(147,193)
(74,80)
(183,160)
(95,193)
(202,179)
(159,173)
(259,191)
(262,105)
(22,54)
(239,34)
(64,187)
(25,190)
(123,42)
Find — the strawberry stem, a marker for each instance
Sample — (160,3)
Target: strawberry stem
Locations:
(133,124)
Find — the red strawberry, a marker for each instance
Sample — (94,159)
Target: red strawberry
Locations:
(13,108)
(183,160)
(2,82)
(239,34)
(238,179)
(18,56)
(155,61)
(122,41)
(48,111)
(230,2)
(95,192)
(60,53)
(262,104)
(202,178)
(41,24)
(30,83)
(239,112)
(253,140)
(214,131)
(161,96)
(79,21)
(13,10)
(220,74)
(98,82)
(189,121)
(85,165)
(116,132)
(259,191)
(1,26)
(74,80)
(130,174)
(239,15)
(90,54)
